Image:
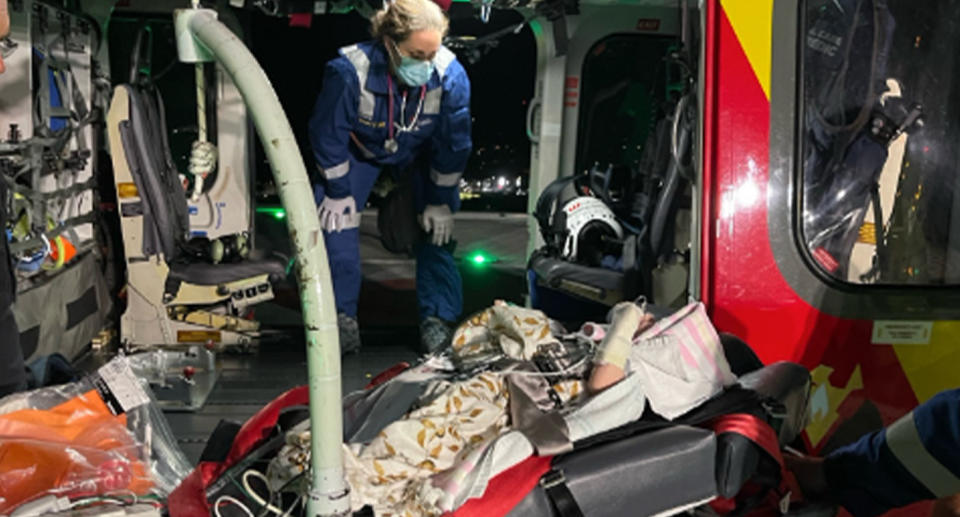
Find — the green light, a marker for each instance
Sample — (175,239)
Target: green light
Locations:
(479,258)
(277,212)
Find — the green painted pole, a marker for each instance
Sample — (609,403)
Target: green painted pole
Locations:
(329,493)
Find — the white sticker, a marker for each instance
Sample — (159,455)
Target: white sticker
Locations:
(123,384)
(892,332)
(551,129)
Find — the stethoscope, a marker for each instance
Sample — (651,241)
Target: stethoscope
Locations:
(391,144)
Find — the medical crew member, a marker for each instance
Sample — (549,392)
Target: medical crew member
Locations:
(914,459)
(12,373)
(399,98)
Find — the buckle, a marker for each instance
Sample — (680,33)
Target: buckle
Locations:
(552,479)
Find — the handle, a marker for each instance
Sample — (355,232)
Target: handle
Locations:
(532,111)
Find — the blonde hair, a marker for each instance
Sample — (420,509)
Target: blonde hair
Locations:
(400,18)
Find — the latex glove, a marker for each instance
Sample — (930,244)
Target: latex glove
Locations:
(439,220)
(337,215)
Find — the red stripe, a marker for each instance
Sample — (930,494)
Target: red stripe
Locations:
(388,374)
(753,429)
(506,489)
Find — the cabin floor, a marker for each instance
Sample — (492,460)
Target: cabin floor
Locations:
(387,314)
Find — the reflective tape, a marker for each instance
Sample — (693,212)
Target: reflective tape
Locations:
(904,442)
(337,171)
(442,60)
(431,102)
(361,63)
(440,179)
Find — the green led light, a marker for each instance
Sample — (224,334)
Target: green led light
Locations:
(479,258)
(276,211)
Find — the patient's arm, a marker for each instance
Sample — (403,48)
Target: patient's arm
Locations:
(611,359)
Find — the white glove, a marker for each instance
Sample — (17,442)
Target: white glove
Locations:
(337,215)
(439,219)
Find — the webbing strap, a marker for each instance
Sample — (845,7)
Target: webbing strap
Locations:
(555,486)
(753,429)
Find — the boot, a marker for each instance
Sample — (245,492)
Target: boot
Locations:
(349,334)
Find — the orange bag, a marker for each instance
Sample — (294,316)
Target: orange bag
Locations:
(75,449)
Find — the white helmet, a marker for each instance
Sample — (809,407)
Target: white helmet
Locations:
(587,220)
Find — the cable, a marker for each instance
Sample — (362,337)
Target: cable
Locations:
(293,506)
(231,500)
(255,496)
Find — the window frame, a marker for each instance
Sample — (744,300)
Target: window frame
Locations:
(785,202)
(581,134)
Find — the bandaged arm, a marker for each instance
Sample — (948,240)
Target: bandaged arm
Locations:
(611,358)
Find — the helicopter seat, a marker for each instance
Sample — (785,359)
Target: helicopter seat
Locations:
(175,296)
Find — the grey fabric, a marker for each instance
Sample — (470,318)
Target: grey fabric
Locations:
(147,132)
(151,241)
(643,475)
(531,413)
(367,412)
(202,273)
(12,372)
(11,357)
(44,309)
(789,385)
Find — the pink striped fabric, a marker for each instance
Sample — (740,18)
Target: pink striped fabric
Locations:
(699,343)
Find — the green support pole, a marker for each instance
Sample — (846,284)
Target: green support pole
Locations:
(329,493)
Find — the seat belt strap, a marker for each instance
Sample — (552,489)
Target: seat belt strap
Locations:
(753,429)
(555,486)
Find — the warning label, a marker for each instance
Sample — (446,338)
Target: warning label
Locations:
(901,332)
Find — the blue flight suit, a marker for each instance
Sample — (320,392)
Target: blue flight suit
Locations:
(914,459)
(348,131)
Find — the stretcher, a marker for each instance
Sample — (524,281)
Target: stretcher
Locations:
(722,457)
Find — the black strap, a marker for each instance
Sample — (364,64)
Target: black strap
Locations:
(881,245)
(555,486)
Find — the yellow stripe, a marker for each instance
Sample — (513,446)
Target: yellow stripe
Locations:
(932,368)
(752,21)
(868,234)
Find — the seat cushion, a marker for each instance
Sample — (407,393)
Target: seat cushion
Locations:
(645,474)
(202,273)
(592,283)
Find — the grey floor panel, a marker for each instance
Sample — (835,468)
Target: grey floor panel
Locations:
(247,383)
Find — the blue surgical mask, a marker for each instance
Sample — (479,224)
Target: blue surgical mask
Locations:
(413,72)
